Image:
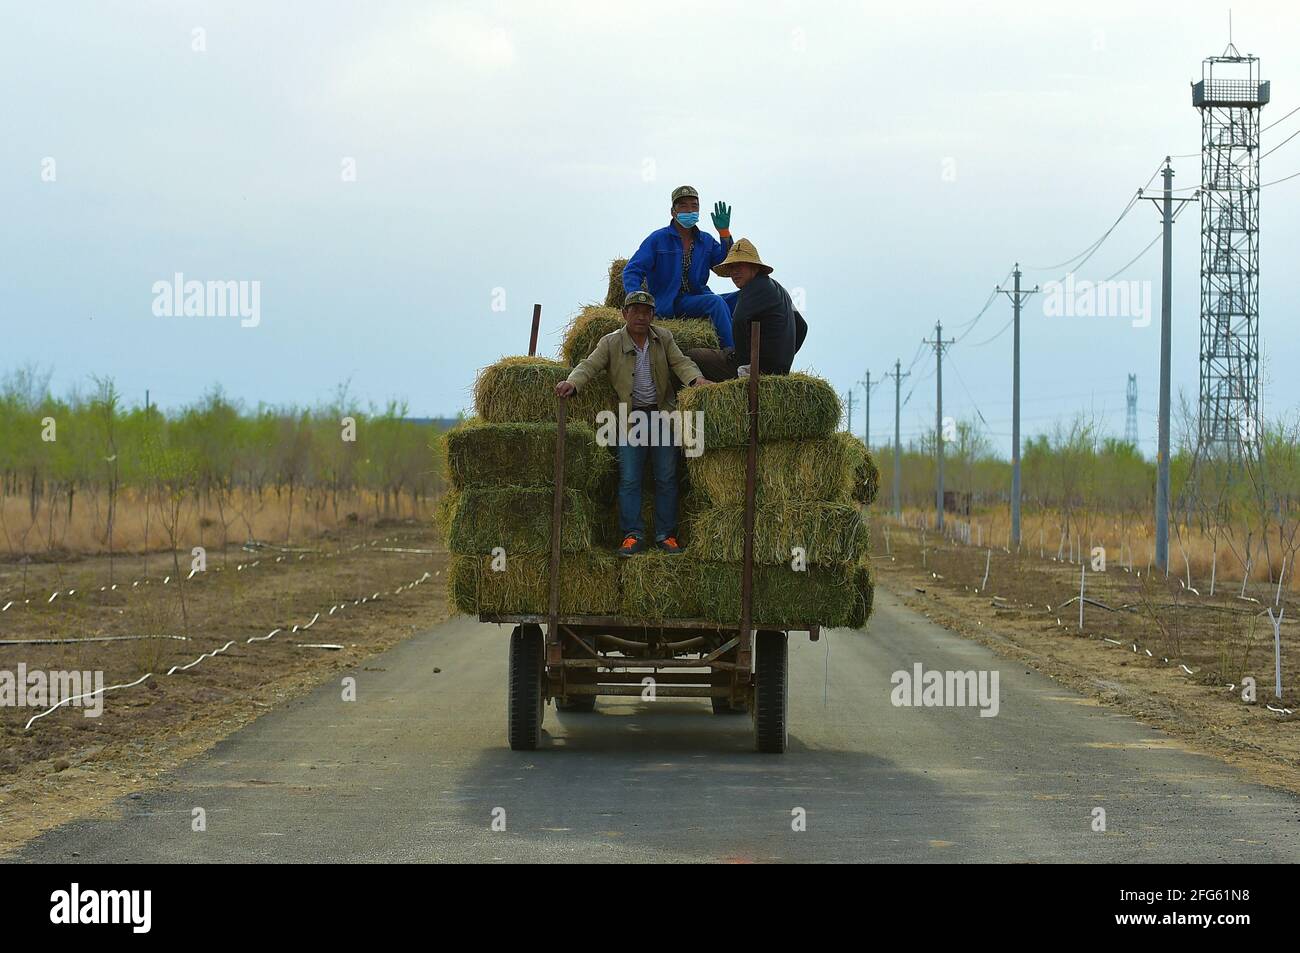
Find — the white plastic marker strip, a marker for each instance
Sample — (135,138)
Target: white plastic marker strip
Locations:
(1186,669)
(96,638)
(213,654)
(1280,711)
(98,691)
(182,668)
(193,572)
(1112,641)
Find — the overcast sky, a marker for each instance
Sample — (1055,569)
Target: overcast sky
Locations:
(890,160)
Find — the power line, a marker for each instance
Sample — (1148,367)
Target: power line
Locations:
(1095,245)
(1280,144)
(1275,122)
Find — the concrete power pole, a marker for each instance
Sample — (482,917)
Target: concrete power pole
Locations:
(898,441)
(1166,205)
(938,344)
(1018,298)
(848,423)
(866,390)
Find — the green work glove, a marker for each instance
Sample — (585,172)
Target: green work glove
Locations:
(721,216)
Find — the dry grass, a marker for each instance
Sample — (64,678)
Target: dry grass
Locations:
(790,407)
(827,533)
(588,584)
(522,390)
(837,468)
(56,535)
(521,453)
(1134,545)
(592,323)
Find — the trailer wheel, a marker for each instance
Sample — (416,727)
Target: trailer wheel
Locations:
(527,702)
(771,695)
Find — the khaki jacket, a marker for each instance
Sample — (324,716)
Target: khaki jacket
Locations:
(616,353)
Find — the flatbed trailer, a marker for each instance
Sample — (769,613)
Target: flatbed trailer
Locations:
(575,658)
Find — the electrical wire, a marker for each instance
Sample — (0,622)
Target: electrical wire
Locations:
(1095,245)
(1279,145)
(1283,119)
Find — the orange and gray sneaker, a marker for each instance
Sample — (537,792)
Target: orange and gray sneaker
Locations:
(669,544)
(632,544)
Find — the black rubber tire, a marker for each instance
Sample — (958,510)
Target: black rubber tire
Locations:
(771,694)
(526,704)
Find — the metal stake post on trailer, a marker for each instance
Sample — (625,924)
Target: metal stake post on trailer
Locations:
(744,651)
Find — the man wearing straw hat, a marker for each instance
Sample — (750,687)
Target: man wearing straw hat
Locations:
(642,362)
(759,299)
(674,262)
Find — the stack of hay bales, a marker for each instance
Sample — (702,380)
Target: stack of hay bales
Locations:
(810,481)
(496,518)
(810,540)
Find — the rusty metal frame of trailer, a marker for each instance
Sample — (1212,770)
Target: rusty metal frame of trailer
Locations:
(726,650)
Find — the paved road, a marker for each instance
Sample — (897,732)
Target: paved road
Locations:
(414,768)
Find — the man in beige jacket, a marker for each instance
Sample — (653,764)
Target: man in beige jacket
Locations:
(642,361)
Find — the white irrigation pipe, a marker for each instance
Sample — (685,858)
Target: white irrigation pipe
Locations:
(181,668)
(98,691)
(96,638)
(239,567)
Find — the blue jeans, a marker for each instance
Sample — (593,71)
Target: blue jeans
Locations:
(717,308)
(631,468)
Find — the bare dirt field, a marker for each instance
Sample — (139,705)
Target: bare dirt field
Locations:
(365,593)
(1151,648)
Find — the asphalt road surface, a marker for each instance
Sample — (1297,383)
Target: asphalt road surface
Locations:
(417,768)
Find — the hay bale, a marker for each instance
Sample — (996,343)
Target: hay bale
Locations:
(835,469)
(588,584)
(592,323)
(658,587)
(522,390)
(828,533)
(864,580)
(866,475)
(523,454)
(790,407)
(478,519)
(616,295)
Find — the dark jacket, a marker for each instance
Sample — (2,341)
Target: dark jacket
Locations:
(783,329)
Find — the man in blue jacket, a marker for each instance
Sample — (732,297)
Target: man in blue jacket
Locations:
(674,263)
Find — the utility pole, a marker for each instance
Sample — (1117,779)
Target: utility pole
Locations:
(1018,298)
(898,442)
(939,344)
(1166,205)
(848,423)
(866,415)
(866,389)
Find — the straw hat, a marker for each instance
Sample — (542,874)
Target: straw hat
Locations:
(741,252)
